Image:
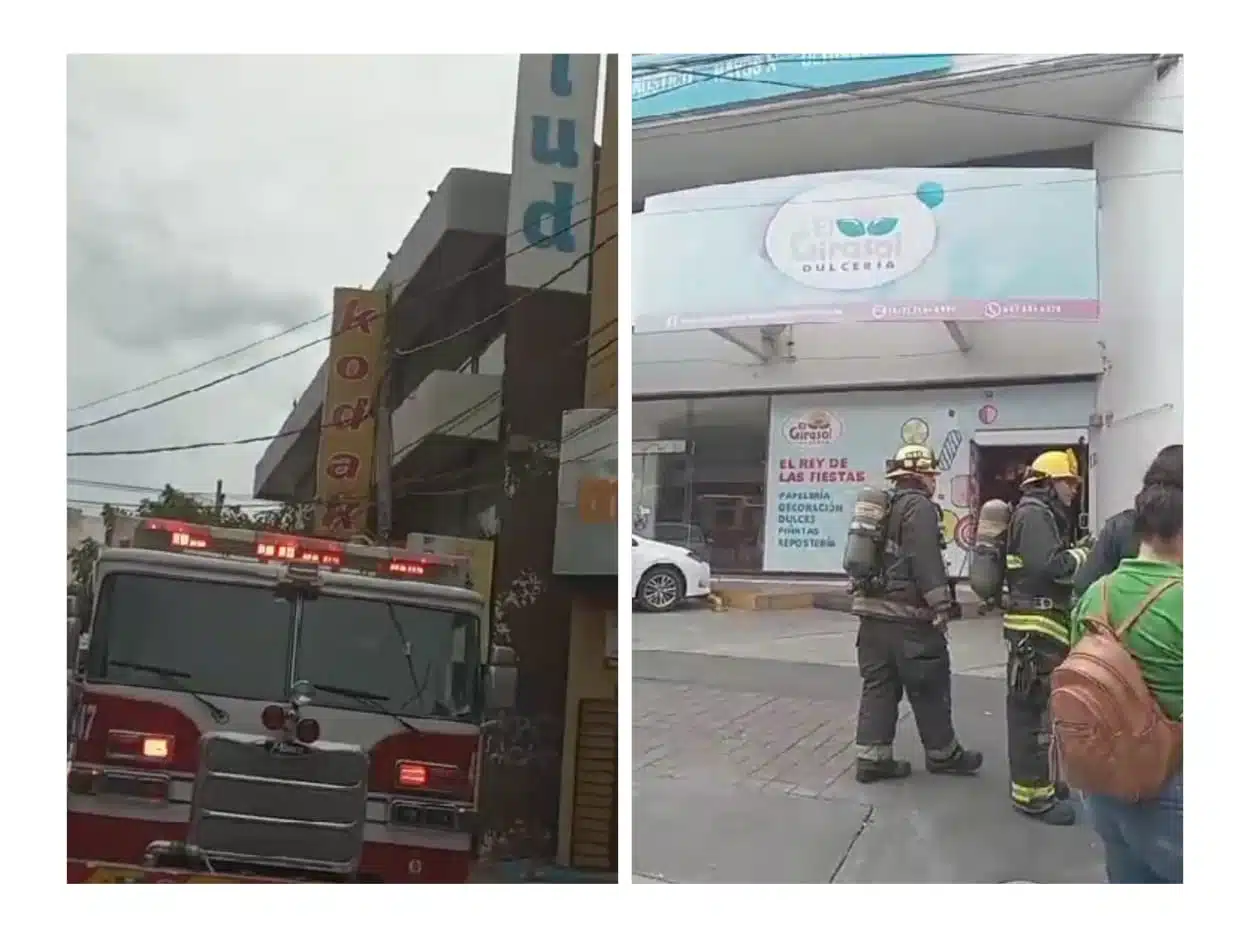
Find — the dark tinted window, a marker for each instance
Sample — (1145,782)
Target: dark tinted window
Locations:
(683,534)
(359,644)
(232,640)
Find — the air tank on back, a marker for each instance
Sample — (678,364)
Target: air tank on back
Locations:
(864,537)
(988,566)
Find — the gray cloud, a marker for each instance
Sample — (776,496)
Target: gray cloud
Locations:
(214,200)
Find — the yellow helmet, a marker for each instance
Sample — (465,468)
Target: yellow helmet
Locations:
(912,459)
(1054,464)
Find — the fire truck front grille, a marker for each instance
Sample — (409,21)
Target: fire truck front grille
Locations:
(300,806)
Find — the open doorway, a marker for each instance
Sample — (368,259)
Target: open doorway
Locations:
(999,468)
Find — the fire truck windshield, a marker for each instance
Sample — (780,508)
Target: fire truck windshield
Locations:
(417,661)
(238,641)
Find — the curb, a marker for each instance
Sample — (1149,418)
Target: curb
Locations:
(762,601)
(745,600)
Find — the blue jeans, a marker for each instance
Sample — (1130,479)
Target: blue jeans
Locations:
(1144,841)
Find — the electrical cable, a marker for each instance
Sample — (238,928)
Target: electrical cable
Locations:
(937,102)
(446,424)
(403,485)
(582,258)
(154,489)
(204,364)
(295,351)
(318,318)
(885,97)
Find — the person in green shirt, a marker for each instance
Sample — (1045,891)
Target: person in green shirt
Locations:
(1144,840)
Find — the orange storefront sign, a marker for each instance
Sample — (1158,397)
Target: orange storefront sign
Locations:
(596,500)
(348,429)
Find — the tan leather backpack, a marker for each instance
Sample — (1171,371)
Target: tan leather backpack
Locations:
(1112,737)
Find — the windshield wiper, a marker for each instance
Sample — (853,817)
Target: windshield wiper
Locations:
(177,680)
(417,686)
(370,698)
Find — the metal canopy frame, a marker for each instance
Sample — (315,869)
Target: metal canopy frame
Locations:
(768,344)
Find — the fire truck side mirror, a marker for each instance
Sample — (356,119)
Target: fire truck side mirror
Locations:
(500,683)
(73,637)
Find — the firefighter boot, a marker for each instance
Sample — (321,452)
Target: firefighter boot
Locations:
(868,771)
(1057,814)
(961,762)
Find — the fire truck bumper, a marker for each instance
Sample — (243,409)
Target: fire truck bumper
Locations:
(85,871)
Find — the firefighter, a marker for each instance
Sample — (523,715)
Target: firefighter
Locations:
(1041,564)
(903,605)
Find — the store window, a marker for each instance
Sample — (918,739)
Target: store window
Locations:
(699,476)
(729,456)
(660,466)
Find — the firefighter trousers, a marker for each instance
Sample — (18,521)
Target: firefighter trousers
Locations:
(1031,659)
(897,658)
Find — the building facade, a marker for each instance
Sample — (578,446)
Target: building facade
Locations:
(982,252)
(487,353)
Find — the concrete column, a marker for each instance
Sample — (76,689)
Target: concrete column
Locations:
(543,377)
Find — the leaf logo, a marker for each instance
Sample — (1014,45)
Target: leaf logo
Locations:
(878,227)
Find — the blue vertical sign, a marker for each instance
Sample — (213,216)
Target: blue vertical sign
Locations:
(551,192)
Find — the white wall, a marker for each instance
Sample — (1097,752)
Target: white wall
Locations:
(1141,253)
(849,355)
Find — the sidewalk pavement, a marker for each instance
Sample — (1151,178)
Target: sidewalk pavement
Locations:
(809,636)
(743,742)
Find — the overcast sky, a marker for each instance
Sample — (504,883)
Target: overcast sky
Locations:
(214,201)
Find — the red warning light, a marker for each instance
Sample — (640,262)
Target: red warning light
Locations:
(412,774)
(405,568)
(299,550)
(181,535)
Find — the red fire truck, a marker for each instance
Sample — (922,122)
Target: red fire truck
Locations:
(261,707)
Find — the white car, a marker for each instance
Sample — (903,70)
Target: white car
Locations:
(665,576)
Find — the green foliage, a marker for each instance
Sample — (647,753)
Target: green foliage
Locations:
(177,505)
(82,560)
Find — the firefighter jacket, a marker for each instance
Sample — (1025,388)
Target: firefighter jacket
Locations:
(913,582)
(1115,541)
(1041,564)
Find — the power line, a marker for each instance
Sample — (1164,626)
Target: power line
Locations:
(295,351)
(885,96)
(135,506)
(153,489)
(582,258)
(405,486)
(938,102)
(204,364)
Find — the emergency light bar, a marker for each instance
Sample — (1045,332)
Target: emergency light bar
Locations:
(274,547)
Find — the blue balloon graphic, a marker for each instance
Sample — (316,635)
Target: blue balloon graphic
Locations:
(931,193)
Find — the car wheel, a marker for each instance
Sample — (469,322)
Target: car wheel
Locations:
(661,589)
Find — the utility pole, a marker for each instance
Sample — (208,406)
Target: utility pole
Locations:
(219,500)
